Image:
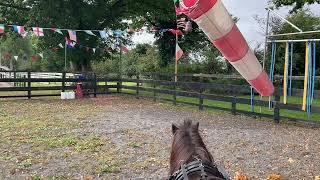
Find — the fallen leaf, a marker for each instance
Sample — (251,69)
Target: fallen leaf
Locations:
(274,177)
(240,176)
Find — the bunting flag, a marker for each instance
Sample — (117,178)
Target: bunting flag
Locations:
(56,30)
(103,34)
(1,28)
(179,52)
(8,56)
(41,55)
(117,33)
(60,45)
(90,33)
(38,31)
(70,44)
(176,32)
(19,29)
(16,57)
(124,49)
(72,35)
(34,58)
(94,50)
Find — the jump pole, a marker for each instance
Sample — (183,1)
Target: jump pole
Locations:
(65,57)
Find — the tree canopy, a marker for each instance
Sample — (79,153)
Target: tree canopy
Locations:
(305,20)
(297,4)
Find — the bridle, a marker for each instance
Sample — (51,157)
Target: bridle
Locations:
(198,166)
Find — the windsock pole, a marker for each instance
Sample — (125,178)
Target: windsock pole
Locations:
(215,21)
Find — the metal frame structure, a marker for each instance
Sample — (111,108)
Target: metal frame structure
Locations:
(298,40)
(267,39)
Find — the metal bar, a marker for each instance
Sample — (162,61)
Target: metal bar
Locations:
(266,41)
(298,40)
(295,33)
(65,56)
(294,26)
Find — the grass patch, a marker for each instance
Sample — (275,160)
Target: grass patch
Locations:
(243,107)
(134,145)
(113,168)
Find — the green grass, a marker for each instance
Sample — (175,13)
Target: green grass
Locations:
(34,133)
(243,107)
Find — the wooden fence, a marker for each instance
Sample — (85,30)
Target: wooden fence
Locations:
(164,89)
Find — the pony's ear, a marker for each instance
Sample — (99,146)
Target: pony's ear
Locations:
(197,125)
(174,128)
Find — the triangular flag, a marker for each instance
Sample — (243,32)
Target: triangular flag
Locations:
(38,31)
(90,32)
(124,49)
(8,56)
(176,32)
(94,50)
(179,52)
(118,33)
(57,30)
(1,28)
(72,35)
(19,29)
(41,55)
(34,58)
(103,34)
(16,57)
(69,43)
(60,45)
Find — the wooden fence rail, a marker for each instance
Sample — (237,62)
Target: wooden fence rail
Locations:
(154,89)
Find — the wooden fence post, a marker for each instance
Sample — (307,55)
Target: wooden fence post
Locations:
(119,84)
(106,88)
(234,105)
(29,85)
(276,103)
(201,94)
(63,89)
(138,85)
(94,85)
(24,83)
(14,76)
(154,87)
(175,90)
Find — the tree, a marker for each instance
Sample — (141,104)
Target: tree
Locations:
(305,20)
(297,4)
(11,45)
(70,14)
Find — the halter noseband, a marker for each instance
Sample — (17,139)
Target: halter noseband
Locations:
(197,166)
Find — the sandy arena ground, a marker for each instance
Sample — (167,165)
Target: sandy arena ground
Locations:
(125,138)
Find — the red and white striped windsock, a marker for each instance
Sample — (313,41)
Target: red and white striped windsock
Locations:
(215,21)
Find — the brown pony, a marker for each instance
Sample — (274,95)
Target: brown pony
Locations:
(190,159)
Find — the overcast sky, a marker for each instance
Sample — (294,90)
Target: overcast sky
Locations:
(245,10)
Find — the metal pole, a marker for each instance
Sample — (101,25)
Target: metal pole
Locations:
(265,48)
(176,62)
(297,40)
(120,64)
(65,57)
(294,26)
(296,33)
(266,41)
(0,59)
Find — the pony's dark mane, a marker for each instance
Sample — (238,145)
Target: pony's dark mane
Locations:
(187,146)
